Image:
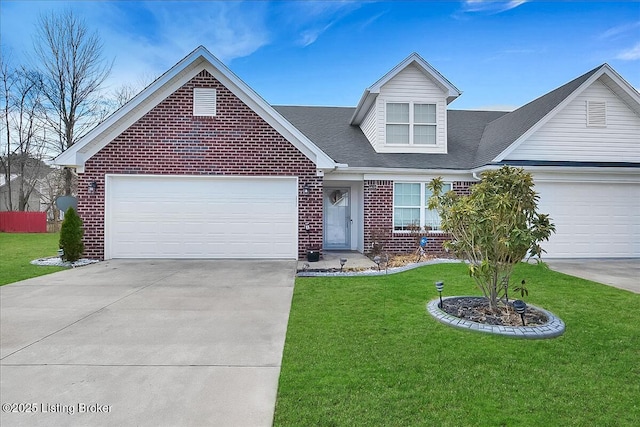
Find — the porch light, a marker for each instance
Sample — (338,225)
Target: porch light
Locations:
(520,307)
(306,189)
(93,186)
(439,288)
(343,261)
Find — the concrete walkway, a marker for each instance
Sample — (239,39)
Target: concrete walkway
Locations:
(331,260)
(146,343)
(620,273)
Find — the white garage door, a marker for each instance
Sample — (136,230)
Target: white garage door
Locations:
(592,220)
(200,217)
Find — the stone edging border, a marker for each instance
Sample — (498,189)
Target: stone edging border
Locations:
(56,261)
(554,328)
(382,272)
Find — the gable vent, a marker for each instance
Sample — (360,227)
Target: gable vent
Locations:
(596,113)
(204,102)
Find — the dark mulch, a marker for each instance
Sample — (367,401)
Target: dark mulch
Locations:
(476,309)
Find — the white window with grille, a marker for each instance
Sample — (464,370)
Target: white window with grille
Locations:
(410,206)
(409,123)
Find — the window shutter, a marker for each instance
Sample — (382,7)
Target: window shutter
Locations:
(596,113)
(204,102)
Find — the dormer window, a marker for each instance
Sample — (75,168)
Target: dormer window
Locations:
(410,123)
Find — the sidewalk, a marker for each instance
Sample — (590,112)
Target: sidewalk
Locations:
(331,259)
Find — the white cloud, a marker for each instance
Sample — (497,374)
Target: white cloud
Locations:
(631,54)
(308,20)
(228,30)
(148,38)
(619,30)
(490,6)
(310,35)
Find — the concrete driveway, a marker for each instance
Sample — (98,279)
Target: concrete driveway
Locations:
(146,343)
(620,273)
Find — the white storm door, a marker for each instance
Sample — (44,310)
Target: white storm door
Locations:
(337,218)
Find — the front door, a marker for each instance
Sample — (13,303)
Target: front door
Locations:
(337,218)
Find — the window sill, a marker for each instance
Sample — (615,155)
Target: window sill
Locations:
(421,232)
(411,148)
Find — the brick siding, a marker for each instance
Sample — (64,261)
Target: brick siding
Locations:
(169,140)
(378,220)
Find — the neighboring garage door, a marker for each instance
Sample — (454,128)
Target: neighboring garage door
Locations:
(592,220)
(200,217)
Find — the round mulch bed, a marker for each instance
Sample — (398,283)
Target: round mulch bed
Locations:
(476,309)
(472,313)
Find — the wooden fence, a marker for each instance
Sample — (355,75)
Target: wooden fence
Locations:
(23,222)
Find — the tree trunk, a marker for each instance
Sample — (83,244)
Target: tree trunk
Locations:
(68,182)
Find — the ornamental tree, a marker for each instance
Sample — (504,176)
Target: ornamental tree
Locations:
(494,227)
(71,233)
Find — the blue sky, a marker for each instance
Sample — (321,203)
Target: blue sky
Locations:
(500,54)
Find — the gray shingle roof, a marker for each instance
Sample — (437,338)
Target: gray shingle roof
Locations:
(329,129)
(501,133)
(474,138)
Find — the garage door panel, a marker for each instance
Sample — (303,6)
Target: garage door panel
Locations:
(195,217)
(592,219)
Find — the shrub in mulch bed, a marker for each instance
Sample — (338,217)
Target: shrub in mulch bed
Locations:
(476,309)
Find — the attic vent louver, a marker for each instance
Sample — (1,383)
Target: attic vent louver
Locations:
(596,113)
(204,102)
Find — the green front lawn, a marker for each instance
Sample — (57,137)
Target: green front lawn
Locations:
(17,250)
(363,351)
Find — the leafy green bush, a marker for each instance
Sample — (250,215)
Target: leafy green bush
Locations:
(71,234)
(494,227)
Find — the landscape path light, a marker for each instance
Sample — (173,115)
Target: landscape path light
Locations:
(439,287)
(520,307)
(377,260)
(343,261)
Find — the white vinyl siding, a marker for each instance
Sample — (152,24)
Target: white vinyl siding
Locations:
(411,86)
(369,126)
(410,200)
(566,137)
(204,102)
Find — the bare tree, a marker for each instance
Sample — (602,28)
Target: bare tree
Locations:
(27,134)
(123,94)
(73,70)
(127,91)
(52,186)
(7,77)
(23,142)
